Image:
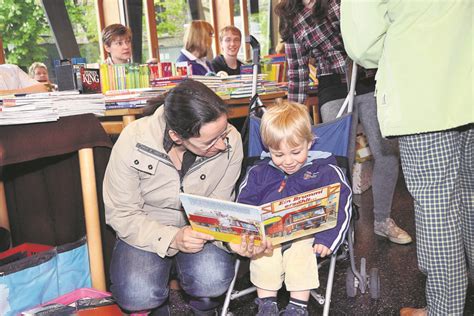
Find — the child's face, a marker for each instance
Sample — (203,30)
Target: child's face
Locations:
(290,159)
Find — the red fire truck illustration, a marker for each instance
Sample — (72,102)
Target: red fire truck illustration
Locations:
(224,224)
(312,217)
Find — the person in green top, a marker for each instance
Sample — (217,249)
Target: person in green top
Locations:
(424,54)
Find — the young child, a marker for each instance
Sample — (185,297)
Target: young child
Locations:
(286,132)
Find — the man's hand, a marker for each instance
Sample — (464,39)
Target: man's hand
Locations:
(189,240)
(322,250)
(247,247)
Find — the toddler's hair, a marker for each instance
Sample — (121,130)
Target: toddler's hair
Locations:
(286,122)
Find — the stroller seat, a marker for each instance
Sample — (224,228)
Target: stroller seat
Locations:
(332,137)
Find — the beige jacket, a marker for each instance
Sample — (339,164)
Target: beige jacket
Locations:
(141,185)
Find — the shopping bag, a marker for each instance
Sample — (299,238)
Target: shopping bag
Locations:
(43,276)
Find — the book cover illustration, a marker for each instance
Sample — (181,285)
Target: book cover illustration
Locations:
(90,80)
(282,220)
(224,220)
(302,214)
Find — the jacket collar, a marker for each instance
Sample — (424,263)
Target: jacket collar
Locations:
(312,156)
(188,54)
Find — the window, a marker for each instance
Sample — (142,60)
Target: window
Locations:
(83,18)
(171,18)
(27,36)
(25,33)
(259,23)
(238,22)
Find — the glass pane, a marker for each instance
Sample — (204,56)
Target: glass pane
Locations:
(84,24)
(26,34)
(145,53)
(171,18)
(238,22)
(206,8)
(259,23)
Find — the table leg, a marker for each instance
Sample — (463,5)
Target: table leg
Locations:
(127,119)
(4,221)
(91,213)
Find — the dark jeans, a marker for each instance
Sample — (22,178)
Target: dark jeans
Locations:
(140,278)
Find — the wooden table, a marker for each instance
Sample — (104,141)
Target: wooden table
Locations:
(237,108)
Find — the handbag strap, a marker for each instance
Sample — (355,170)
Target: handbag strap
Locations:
(349,100)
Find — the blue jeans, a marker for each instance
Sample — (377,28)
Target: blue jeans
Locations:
(140,278)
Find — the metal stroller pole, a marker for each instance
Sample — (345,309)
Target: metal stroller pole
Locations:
(255,61)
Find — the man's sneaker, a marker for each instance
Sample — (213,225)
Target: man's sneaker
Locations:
(266,307)
(294,310)
(389,229)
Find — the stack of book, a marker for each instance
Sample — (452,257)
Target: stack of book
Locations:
(72,103)
(275,67)
(46,107)
(21,110)
(132,98)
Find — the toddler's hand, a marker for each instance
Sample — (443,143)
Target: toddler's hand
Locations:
(248,248)
(322,250)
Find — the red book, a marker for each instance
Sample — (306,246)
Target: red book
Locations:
(166,69)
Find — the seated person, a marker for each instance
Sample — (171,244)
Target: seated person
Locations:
(286,131)
(230,38)
(117,40)
(197,45)
(39,72)
(14,80)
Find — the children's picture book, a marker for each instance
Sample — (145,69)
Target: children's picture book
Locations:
(282,220)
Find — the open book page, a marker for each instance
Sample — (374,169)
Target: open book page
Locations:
(283,220)
(302,214)
(224,220)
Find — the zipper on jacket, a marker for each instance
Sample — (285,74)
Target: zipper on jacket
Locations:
(283,184)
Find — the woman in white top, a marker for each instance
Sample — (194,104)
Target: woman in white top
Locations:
(14,80)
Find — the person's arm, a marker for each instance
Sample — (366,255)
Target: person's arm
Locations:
(124,204)
(298,71)
(363,26)
(36,88)
(333,237)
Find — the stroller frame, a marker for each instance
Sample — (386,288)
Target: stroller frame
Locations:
(355,279)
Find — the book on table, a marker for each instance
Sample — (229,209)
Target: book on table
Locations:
(282,220)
